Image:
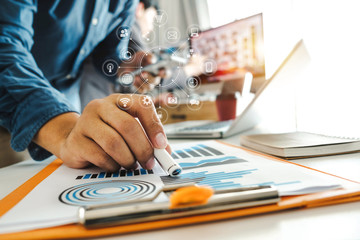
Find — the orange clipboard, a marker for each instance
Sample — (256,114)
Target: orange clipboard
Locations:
(76,231)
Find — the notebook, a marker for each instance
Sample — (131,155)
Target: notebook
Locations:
(300,144)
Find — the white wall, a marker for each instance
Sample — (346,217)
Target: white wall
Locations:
(328,94)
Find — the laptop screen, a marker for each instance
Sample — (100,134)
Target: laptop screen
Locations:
(233,50)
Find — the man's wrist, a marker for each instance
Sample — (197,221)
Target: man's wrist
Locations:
(52,135)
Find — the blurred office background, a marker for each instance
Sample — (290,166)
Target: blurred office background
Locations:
(327,99)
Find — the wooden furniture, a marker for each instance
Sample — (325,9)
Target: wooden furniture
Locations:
(207,111)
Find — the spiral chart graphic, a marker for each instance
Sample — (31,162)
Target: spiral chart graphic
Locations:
(106,192)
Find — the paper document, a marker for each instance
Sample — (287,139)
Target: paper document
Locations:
(56,200)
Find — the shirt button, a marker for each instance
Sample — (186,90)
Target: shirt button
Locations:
(82,51)
(94,21)
(68,76)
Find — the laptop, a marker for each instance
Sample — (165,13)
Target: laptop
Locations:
(286,74)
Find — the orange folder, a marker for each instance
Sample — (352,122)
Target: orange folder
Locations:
(77,231)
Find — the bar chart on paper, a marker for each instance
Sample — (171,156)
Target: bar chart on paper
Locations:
(121,173)
(219,166)
(213,164)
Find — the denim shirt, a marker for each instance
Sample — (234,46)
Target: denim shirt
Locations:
(42,47)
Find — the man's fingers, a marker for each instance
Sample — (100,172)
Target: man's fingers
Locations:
(168,149)
(94,154)
(142,107)
(131,132)
(111,142)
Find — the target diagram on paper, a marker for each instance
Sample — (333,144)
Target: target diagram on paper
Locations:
(106,192)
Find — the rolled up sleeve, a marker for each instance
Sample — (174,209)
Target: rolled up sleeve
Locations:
(27,100)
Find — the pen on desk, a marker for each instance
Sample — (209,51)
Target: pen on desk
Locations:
(167,162)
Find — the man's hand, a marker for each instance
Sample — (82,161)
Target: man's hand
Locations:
(105,135)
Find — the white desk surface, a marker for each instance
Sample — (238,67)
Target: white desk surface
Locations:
(330,222)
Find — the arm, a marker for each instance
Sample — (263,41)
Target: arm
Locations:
(27,100)
(105,135)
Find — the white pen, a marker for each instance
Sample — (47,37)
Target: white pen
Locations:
(167,162)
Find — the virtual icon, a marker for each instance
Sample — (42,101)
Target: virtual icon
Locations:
(146,100)
(127,55)
(161,114)
(124,102)
(192,83)
(194,102)
(191,52)
(124,33)
(110,67)
(159,17)
(172,35)
(208,67)
(126,79)
(146,36)
(172,100)
(194,32)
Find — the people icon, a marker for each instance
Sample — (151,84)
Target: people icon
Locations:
(124,33)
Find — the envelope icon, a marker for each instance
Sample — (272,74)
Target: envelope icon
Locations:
(172,35)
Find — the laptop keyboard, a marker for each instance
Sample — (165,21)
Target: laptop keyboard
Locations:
(209,127)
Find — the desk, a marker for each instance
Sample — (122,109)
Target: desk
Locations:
(330,222)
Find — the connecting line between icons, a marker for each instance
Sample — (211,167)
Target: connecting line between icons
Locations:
(159,94)
(137,45)
(180,88)
(181,45)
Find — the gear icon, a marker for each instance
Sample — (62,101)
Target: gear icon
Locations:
(147,100)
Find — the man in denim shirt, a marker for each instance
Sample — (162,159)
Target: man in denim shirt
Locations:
(42,47)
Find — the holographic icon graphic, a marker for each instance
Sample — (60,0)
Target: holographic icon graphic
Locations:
(110,67)
(125,102)
(159,17)
(209,67)
(124,33)
(172,35)
(193,83)
(127,55)
(172,100)
(194,102)
(146,100)
(161,114)
(194,32)
(127,79)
